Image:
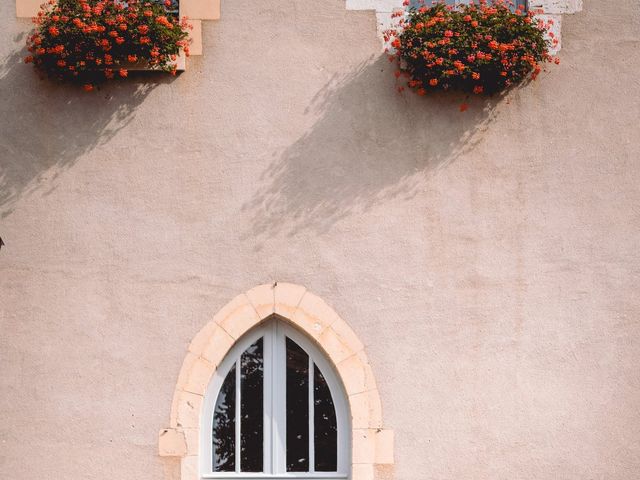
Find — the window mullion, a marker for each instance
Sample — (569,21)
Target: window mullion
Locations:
(312,451)
(279,401)
(267,439)
(238,416)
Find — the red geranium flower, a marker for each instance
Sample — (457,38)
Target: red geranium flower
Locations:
(440,45)
(75,40)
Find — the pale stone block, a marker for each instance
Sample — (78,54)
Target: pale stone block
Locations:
(195,36)
(314,315)
(237,316)
(189,468)
(334,346)
(555,30)
(195,374)
(366,409)
(384,447)
(353,374)
(389,5)
(362,471)
(347,336)
(217,346)
(187,363)
(192,440)
(262,298)
(188,409)
(384,20)
(171,443)
(369,377)
(237,303)
(556,6)
(202,338)
(200,9)
(181,62)
(287,298)
(364,446)
(28,8)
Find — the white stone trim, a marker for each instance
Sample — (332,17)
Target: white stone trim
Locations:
(552,9)
(371,444)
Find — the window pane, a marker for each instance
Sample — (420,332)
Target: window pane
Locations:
(427,3)
(325,425)
(251,409)
(297,408)
(224,426)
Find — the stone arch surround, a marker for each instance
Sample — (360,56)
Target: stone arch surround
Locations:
(372,445)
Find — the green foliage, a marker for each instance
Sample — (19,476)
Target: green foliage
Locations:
(479,48)
(88,41)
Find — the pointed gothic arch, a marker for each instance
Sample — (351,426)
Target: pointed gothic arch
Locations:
(371,444)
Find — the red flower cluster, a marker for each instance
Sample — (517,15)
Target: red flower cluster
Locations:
(88,41)
(480,47)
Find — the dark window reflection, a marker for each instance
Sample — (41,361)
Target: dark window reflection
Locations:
(325,425)
(297,408)
(513,5)
(224,426)
(251,386)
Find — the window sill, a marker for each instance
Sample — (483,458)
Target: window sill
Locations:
(284,476)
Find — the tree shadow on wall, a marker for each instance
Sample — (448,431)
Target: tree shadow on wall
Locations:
(45,127)
(369,144)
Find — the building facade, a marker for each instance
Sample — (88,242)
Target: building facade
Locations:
(466,282)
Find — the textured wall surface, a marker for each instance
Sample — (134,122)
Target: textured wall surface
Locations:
(488,259)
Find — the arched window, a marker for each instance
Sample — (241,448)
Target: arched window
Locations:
(275,409)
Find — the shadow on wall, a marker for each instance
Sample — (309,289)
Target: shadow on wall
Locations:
(369,144)
(46,127)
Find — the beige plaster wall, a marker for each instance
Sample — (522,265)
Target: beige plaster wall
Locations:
(488,260)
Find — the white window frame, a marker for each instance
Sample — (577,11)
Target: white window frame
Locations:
(274,333)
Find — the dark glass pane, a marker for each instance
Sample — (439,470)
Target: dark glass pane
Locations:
(325,425)
(251,409)
(224,426)
(173,8)
(297,408)
(427,3)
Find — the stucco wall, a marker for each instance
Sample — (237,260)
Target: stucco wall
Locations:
(489,259)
